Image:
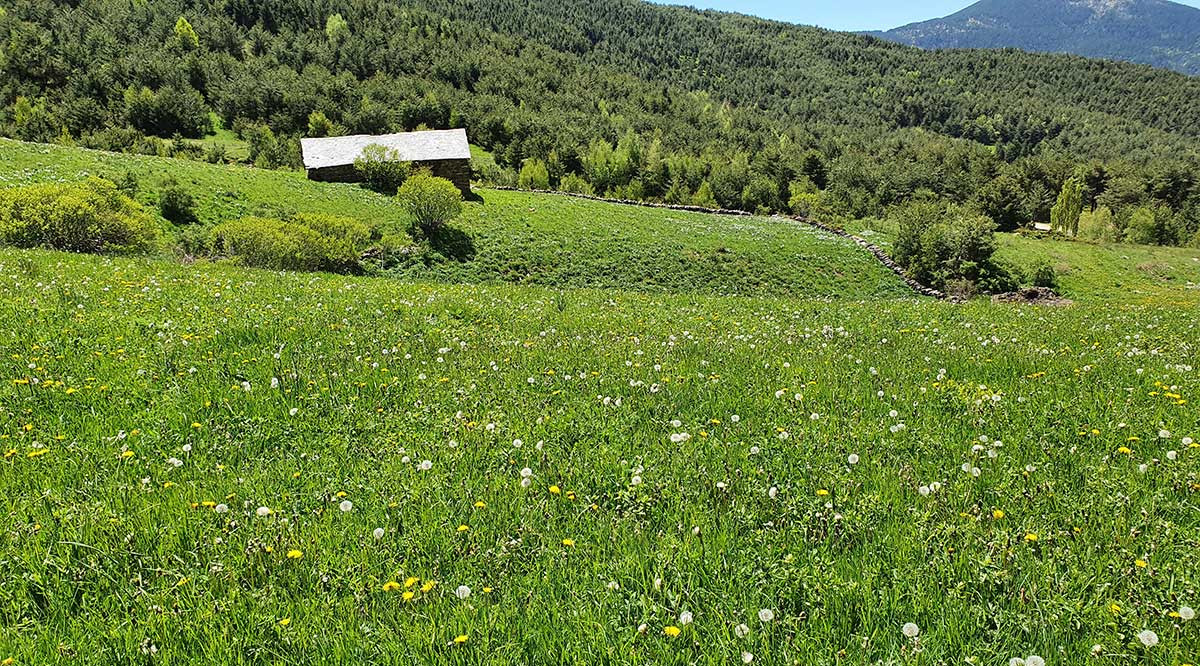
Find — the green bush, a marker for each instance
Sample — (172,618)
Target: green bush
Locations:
(430,201)
(941,244)
(92,216)
(176,203)
(534,176)
(302,243)
(381,169)
(575,184)
(1044,275)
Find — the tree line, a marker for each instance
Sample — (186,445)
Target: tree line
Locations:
(626,99)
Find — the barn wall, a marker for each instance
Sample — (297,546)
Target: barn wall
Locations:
(455,171)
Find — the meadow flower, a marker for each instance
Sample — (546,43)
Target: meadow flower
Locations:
(643,628)
(1148,638)
(910,630)
(221,508)
(773,492)
(425,465)
(1172,455)
(377,533)
(462,591)
(747,657)
(263,511)
(1016,661)
(293,411)
(294,554)
(741,630)
(735,418)
(636,481)
(391,586)
(766,615)
(852,459)
(1034,660)
(569,543)
(1186,613)
(460,639)
(671,631)
(346,506)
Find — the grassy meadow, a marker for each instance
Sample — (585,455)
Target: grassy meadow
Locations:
(515,237)
(205,464)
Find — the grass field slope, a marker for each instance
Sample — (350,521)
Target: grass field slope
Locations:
(518,237)
(206,464)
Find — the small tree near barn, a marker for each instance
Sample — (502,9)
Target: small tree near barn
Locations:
(431,201)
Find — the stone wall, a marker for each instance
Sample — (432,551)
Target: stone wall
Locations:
(455,171)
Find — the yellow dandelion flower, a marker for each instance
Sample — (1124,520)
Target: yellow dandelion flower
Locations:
(294,554)
(285,621)
(1141,564)
(196,425)
(460,639)
(480,505)
(182,581)
(568,542)
(391,586)
(127,454)
(428,586)
(411,580)
(1125,450)
(463,528)
(37,453)
(997,514)
(822,493)
(671,631)
(555,490)
(408,595)
(1031,537)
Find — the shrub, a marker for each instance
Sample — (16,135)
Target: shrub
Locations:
(381,169)
(1044,275)
(939,244)
(1099,225)
(575,184)
(534,176)
(176,203)
(92,216)
(302,243)
(430,201)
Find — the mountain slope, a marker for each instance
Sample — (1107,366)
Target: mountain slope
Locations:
(1154,32)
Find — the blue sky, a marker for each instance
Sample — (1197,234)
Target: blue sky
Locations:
(843,14)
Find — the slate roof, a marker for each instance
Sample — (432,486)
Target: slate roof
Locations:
(412,146)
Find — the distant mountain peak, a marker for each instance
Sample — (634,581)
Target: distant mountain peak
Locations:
(1153,32)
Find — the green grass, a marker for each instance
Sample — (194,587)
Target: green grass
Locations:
(1112,272)
(518,237)
(138,394)
(1094,272)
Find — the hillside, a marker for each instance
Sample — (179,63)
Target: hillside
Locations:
(619,97)
(1153,32)
(517,237)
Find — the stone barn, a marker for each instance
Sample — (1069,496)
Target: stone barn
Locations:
(444,152)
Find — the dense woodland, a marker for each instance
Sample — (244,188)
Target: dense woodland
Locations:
(622,98)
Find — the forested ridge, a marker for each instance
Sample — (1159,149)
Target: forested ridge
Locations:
(620,97)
